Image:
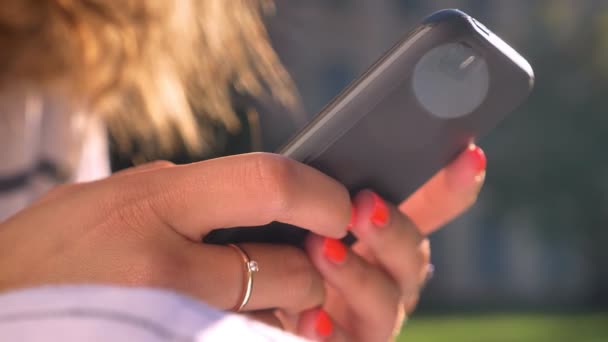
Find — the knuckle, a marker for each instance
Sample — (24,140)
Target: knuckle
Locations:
(275,175)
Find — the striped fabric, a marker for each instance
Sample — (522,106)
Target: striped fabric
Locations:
(42,146)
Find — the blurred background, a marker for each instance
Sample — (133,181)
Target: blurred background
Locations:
(530,261)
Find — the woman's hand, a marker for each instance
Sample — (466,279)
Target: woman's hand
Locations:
(143,227)
(372,286)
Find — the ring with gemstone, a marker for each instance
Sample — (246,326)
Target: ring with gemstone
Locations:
(251,266)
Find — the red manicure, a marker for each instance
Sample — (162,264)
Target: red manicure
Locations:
(478,156)
(323,325)
(334,250)
(380,212)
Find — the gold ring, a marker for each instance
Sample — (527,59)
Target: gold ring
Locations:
(251,266)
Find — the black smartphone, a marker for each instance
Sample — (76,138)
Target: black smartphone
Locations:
(448,82)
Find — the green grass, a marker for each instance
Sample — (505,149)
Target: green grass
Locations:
(507,328)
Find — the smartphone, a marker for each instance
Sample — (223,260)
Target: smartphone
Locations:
(448,82)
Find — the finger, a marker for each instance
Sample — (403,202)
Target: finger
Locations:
(449,193)
(267,317)
(317,325)
(289,320)
(153,165)
(427,269)
(202,269)
(410,302)
(392,239)
(370,294)
(244,190)
(400,321)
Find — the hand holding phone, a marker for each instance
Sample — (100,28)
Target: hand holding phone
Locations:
(448,82)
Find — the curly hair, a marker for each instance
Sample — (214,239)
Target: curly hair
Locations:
(148,68)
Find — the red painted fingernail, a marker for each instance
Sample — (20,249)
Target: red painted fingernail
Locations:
(353,217)
(324,326)
(334,250)
(380,211)
(478,156)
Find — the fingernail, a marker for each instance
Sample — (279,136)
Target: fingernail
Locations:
(353,217)
(478,157)
(380,212)
(324,326)
(334,250)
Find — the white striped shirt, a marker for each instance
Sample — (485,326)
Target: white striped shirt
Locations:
(44,145)
(110,313)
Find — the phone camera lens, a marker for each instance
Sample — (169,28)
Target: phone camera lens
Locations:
(451,80)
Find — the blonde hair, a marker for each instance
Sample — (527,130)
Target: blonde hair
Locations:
(147,67)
